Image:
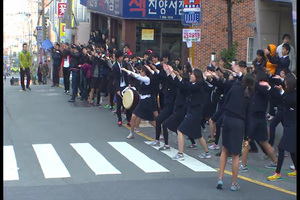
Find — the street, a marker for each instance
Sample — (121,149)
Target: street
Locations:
(54,149)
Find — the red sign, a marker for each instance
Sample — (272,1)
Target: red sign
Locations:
(61,8)
(191,2)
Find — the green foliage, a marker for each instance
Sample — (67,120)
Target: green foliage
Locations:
(229,54)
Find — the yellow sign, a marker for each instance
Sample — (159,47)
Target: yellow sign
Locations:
(147,34)
(62,29)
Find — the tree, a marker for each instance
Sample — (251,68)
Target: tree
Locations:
(229,20)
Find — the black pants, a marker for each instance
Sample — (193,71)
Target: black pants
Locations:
(22,74)
(55,74)
(281,158)
(66,74)
(275,121)
(75,83)
(166,112)
(119,105)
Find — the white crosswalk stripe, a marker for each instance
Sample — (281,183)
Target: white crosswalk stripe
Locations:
(95,160)
(138,158)
(188,161)
(10,168)
(50,162)
(53,167)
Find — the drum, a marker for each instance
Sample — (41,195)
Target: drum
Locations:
(131,99)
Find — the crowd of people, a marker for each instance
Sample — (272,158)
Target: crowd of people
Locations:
(244,103)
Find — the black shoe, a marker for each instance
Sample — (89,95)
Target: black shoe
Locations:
(28,88)
(52,85)
(253,151)
(219,154)
(24,89)
(71,100)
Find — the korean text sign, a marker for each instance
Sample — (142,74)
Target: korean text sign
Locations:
(193,35)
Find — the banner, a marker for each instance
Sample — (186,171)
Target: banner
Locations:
(62,29)
(61,8)
(193,35)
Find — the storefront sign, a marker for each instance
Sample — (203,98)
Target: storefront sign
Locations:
(147,34)
(191,5)
(61,8)
(138,9)
(110,7)
(39,35)
(153,9)
(193,35)
(62,29)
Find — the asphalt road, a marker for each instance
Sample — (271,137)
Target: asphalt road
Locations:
(59,150)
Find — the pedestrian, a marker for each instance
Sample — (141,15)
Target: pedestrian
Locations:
(144,108)
(65,63)
(75,69)
(234,126)
(260,60)
(288,140)
(169,91)
(127,50)
(282,62)
(120,79)
(190,126)
(177,64)
(287,40)
(39,73)
(56,56)
(256,121)
(25,66)
(45,72)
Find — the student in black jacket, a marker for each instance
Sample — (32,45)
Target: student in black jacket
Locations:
(75,69)
(234,126)
(190,126)
(288,143)
(120,79)
(257,123)
(283,62)
(56,56)
(169,92)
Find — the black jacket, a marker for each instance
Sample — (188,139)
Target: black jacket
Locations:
(56,56)
(74,61)
(117,76)
(281,62)
(103,67)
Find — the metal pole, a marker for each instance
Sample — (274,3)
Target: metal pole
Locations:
(43,24)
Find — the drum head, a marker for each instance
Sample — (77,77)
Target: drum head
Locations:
(128,99)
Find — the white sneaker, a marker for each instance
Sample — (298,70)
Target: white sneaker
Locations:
(205,155)
(214,147)
(161,137)
(130,136)
(136,130)
(292,167)
(155,143)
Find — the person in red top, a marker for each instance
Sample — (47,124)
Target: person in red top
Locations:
(127,50)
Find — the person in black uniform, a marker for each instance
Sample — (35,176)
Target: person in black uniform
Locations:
(120,79)
(257,122)
(190,126)
(56,56)
(156,82)
(74,68)
(180,108)
(288,96)
(169,92)
(234,126)
(144,108)
(283,62)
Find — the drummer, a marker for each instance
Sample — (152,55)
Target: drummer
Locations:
(120,80)
(144,108)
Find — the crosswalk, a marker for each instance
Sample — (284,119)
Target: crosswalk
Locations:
(53,166)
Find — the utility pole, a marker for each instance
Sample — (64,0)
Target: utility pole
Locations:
(43,25)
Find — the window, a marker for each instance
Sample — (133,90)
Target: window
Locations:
(250,50)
